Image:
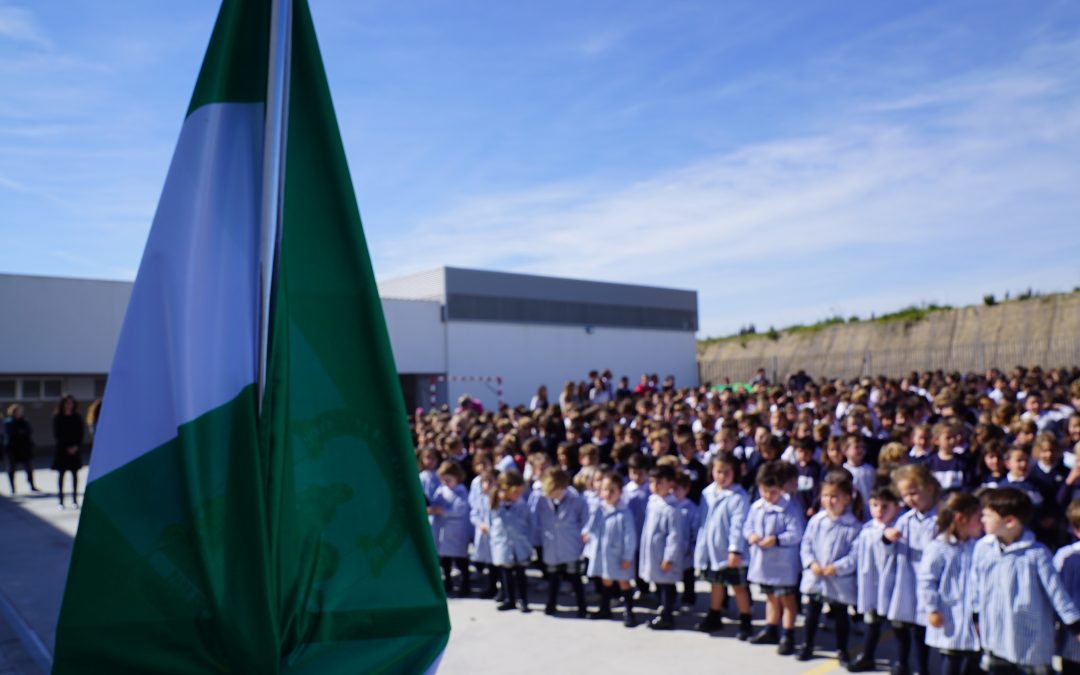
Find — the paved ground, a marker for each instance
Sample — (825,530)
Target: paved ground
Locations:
(38,535)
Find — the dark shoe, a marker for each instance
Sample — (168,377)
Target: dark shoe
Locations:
(862,664)
(787,646)
(842,657)
(549,610)
(744,632)
(505,605)
(582,612)
(524,606)
(629,620)
(765,636)
(662,622)
(602,613)
(805,653)
(712,621)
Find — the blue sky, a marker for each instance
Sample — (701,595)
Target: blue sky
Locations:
(789,160)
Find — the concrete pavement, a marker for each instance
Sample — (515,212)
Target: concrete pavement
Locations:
(38,538)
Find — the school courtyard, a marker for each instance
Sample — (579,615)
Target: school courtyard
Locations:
(38,538)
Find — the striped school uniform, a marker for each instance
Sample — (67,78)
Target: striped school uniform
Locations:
(1017,591)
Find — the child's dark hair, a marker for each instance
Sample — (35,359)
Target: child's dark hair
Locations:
(771,474)
(953,509)
(638,461)
(683,480)
(841,480)
(662,472)
(884,493)
(1008,502)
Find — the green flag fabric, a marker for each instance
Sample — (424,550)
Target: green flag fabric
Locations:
(217,536)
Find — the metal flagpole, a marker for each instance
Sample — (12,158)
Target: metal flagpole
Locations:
(273,179)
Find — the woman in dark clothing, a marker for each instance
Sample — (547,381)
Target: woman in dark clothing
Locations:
(68,432)
(20,445)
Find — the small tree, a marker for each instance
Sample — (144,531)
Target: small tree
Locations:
(989,300)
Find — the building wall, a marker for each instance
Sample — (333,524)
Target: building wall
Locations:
(61,326)
(526,356)
(417,335)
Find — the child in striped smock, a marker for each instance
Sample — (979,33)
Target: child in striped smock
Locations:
(773,533)
(612,537)
(450,525)
(1067,564)
(914,531)
(1016,589)
(828,559)
(480,515)
(688,511)
(875,571)
(721,553)
(559,518)
(509,525)
(661,554)
(945,584)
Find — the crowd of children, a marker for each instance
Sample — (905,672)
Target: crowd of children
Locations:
(930,504)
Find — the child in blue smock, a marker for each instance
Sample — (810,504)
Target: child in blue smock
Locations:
(511,538)
(688,511)
(773,532)
(720,555)
(559,518)
(1067,564)
(1016,589)
(945,584)
(914,531)
(480,515)
(660,557)
(428,461)
(828,559)
(613,537)
(451,526)
(875,571)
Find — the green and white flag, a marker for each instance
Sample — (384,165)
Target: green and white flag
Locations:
(253,504)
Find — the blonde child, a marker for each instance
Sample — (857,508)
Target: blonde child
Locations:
(773,533)
(721,552)
(912,533)
(945,584)
(829,558)
(612,534)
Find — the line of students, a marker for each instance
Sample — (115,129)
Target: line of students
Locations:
(927,569)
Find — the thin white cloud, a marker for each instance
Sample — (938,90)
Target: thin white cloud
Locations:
(18,24)
(975,168)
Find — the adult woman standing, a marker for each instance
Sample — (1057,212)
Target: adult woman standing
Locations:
(20,445)
(68,432)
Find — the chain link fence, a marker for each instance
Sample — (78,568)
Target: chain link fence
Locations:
(976,357)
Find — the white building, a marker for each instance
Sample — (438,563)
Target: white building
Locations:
(494,335)
(485,331)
